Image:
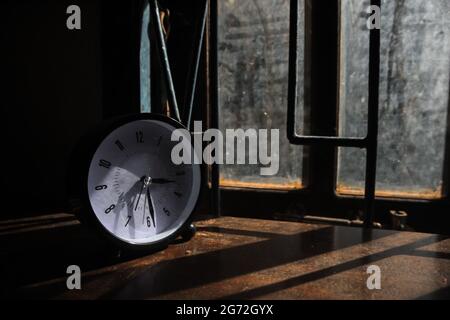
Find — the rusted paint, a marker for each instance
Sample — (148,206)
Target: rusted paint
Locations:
(423,194)
(228,183)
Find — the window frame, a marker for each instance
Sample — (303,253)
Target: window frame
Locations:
(320,195)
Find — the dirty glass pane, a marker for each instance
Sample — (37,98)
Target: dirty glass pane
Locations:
(414,96)
(354,69)
(253,81)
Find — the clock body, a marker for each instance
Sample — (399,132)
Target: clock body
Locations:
(129,188)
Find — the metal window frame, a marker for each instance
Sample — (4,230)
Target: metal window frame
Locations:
(370,142)
(320,195)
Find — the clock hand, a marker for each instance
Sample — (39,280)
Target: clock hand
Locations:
(144,215)
(151,208)
(162,181)
(140,193)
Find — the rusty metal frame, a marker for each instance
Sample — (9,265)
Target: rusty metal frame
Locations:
(320,196)
(370,142)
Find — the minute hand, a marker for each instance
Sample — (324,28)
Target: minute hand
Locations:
(151,207)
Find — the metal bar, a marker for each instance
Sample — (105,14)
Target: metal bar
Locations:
(446,171)
(187,110)
(371,141)
(165,59)
(214,93)
(344,222)
(329,141)
(293,137)
(372,135)
(293,70)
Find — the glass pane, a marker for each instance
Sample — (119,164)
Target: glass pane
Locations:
(354,71)
(253,80)
(351,171)
(414,95)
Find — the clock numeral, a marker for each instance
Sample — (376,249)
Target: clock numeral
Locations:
(100,188)
(120,145)
(110,209)
(149,222)
(128,221)
(167,212)
(105,164)
(178,194)
(140,137)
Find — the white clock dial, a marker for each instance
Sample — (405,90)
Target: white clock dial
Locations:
(135,190)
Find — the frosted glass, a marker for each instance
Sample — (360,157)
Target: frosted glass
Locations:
(253,82)
(414,96)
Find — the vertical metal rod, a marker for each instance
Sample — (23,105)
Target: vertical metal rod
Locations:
(161,44)
(187,111)
(372,136)
(292,136)
(214,93)
(293,66)
(446,171)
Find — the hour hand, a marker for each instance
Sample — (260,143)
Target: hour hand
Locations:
(140,193)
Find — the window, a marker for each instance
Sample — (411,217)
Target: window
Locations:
(414,92)
(253,82)
(414,97)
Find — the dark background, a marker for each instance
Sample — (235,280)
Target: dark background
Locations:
(52,93)
(58,84)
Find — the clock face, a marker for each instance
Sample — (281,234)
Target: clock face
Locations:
(136,192)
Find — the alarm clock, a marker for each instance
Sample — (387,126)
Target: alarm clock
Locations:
(128,188)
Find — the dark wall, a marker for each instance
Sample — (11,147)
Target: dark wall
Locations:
(51,95)
(59,83)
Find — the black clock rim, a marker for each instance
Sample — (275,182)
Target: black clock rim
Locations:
(90,143)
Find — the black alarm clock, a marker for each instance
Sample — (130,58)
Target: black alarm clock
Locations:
(127,186)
